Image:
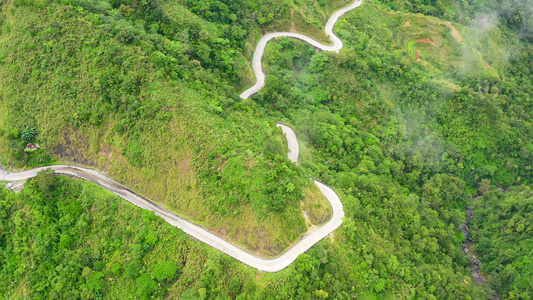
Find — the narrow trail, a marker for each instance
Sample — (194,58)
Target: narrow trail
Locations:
(197,231)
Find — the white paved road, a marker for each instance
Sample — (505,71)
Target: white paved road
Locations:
(198,232)
(260,48)
(292,142)
(268,265)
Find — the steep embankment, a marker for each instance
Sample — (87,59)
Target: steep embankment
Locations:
(266,265)
(146,94)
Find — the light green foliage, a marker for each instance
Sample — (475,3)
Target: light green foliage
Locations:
(15,133)
(46,181)
(516,14)
(95,283)
(165,271)
(148,92)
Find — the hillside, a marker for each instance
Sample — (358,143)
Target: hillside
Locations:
(415,112)
(154,106)
(427,106)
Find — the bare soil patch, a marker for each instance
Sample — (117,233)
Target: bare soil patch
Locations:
(417,56)
(487,65)
(407,23)
(69,148)
(427,41)
(310,226)
(293,27)
(332,237)
(455,33)
(107,154)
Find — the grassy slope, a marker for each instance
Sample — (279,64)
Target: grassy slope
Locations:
(390,246)
(169,143)
(307,17)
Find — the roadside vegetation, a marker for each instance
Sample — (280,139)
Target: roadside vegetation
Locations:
(303,16)
(146,93)
(415,116)
(415,113)
(69,239)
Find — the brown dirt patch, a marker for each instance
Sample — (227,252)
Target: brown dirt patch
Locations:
(310,226)
(455,33)
(407,23)
(427,41)
(293,27)
(68,147)
(487,65)
(185,164)
(417,56)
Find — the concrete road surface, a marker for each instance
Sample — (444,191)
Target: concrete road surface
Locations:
(198,232)
(260,48)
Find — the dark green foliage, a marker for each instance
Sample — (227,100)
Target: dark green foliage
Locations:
(28,134)
(46,181)
(405,145)
(502,234)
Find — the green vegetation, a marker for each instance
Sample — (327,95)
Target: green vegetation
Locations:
(65,238)
(392,134)
(502,235)
(69,239)
(304,16)
(147,91)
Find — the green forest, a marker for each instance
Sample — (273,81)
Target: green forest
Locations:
(425,112)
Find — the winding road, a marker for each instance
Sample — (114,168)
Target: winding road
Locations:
(198,232)
(260,48)
(194,230)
